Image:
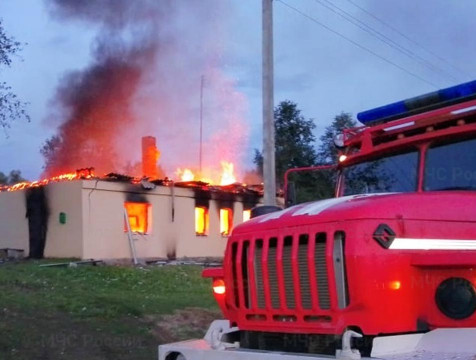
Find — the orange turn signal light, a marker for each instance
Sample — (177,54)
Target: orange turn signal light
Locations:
(219,286)
(395,285)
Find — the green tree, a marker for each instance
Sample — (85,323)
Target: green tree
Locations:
(293,140)
(10,107)
(294,147)
(49,150)
(327,152)
(14,177)
(258,161)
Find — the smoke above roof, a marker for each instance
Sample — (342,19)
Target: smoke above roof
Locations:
(147,60)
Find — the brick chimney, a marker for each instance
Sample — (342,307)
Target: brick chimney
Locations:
(150,156)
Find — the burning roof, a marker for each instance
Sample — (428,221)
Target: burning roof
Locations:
(148,183)
(87,173)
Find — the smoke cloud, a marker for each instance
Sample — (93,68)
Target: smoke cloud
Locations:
(148,58)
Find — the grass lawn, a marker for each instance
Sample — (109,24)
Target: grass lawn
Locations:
(99,312)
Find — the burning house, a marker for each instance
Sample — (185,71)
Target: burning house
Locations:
(143,76)
(116,216)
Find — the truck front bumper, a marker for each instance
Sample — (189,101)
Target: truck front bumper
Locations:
(440,344)
(201,350)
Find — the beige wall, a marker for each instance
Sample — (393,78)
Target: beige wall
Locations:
(64,240)
(103,225)
(94,227)
(191,245)
(13,223)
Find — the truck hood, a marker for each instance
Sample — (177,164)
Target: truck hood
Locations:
(433,206)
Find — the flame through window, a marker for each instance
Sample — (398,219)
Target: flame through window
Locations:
(226,221)
(201,220)
(138,214)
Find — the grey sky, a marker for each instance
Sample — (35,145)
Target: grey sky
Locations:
(319,70)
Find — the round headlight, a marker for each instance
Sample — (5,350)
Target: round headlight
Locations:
(456,298)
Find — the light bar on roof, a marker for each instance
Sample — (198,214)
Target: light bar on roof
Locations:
(418,104)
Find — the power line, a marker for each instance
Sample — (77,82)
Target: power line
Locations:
(358,45)
(382,37)
(383,22)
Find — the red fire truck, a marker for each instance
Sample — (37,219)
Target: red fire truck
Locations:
(392,256)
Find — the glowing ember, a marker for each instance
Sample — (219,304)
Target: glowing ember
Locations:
(227,176)
(79,174)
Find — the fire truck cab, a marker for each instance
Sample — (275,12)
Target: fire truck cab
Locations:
(392,257)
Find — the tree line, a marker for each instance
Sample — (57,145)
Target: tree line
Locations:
(11,107)
(14,177)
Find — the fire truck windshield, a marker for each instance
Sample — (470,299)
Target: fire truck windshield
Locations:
(397,173)
(451,166)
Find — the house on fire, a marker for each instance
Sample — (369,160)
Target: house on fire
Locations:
(89,218)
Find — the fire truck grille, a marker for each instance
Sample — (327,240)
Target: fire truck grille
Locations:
(286,282)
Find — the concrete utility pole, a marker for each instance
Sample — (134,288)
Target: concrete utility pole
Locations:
(202,79)
(269,172)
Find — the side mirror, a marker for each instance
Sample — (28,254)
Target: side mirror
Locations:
(290,194)
(339,141)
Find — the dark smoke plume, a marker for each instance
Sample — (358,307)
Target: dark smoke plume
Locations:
(148,57)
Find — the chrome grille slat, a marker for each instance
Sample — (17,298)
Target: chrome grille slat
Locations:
(306,298)
(244,269)
(273,274)
(288,273)
(259,274)
(320,262)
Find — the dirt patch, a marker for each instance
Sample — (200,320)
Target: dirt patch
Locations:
(183,324)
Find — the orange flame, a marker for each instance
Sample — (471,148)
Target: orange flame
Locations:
(79,174)
(227,176)
(188,175)
(185,174)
